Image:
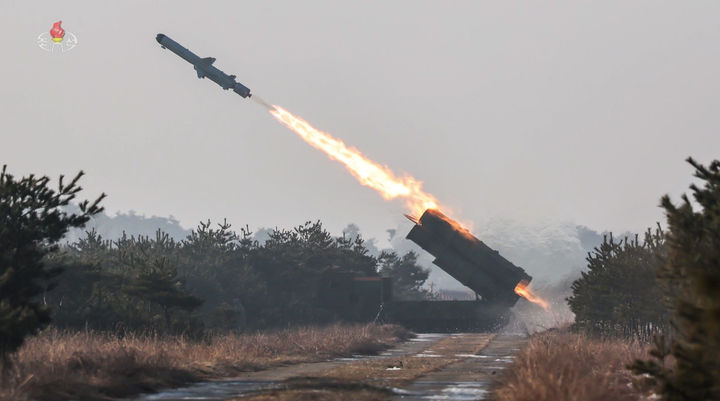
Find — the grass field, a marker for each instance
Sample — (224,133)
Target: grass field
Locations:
(564,366)
(59,365)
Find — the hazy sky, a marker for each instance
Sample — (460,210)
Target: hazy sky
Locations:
(577,112)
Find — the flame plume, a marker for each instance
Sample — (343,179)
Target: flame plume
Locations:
(368,172)
(374,175)
(523,290)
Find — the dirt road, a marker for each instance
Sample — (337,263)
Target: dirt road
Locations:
(431,366)
(226,389)
(468,379)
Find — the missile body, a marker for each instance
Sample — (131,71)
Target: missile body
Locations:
(204,67)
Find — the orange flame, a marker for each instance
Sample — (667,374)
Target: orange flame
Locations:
(368,172)
(377,176)
(523,290)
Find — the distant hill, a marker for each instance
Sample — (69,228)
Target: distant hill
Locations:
(112,227)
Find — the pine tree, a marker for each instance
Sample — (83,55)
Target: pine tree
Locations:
(32,221)
(618,293)
(407,276)
(158,285)
(692,278)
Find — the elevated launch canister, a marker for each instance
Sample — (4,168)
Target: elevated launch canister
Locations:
(467,259)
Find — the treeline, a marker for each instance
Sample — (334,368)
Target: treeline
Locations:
(215,279)
(665,287)
(619,294)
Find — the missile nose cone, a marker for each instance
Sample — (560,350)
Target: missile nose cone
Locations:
(160,37)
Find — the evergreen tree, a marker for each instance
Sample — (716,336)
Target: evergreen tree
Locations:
(618,294)
(157,285)
(86,294)
(151,282)
(141,283)
(407,276)
(216,266)
(32,221)
(692,277)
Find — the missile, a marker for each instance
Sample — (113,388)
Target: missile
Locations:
(204,66)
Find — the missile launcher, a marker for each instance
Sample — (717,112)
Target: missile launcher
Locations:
(467,259)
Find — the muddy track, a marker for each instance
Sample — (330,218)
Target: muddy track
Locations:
(432,366)
(468,379)
(226,389)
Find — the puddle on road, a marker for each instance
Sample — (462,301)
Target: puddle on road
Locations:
(489,363)
(428,337)
(209,391)
(471,356)
(222,390)
(459,391)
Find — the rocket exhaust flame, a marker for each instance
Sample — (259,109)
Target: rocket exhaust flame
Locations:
(368,172)
(523,290)
(376,176)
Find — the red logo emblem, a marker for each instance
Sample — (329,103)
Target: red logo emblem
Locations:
(57,32)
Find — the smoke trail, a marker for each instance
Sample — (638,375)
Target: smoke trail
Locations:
(375,175)
(257,99)
(368,172)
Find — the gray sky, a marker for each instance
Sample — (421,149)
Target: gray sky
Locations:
(537,112)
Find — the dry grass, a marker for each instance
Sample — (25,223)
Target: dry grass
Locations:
(562,366)
(92,366)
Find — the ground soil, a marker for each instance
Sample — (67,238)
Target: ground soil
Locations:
(441,368)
